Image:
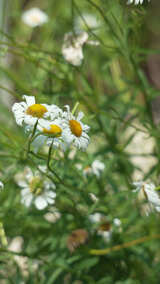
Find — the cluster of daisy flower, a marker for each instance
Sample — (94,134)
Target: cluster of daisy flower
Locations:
(53,125)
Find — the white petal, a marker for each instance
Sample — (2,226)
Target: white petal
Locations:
(1,185)
(96,217)
(22,183)
(51,194)
(28,119)
(30,100)
(27,199)
(19,121)
(25,191)
(80,115)
(157,208)
(40,203)
(153,197)
(50,200)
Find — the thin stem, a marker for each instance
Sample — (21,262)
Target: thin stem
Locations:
(125,245)
(31,138)
(48,163)
(49,155)
(90,30)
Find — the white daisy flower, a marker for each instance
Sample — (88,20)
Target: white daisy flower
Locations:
(87,171)
(95,218)
(117,222)
(96,168)
(52,217)
(136,2)
(146,191)
(29,111)
(35,189)
(74,131)
(34,17)
(105,228)
(72,47)
(53,131)
(1,185)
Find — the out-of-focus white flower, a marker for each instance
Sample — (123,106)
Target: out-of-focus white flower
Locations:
(34,17)
(95,218)
(1,185)
(146,191)
(73,55)
(105,228)
(96,168)
(22,261)
(86,21)
(16,244)
(72,46)
(87,171)
(74,131)
(117,222)
(35,188)
(136,2)
(28,112)
(52,217)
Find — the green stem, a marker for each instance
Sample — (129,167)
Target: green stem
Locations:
(48,164)
(31,138)
(125,245)
(3,235)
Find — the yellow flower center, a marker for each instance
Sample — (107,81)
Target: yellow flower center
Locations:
(54,130)
(75,127)
(36,110)
(36,185)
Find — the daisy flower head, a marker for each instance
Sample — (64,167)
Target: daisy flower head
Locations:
(146,191)
(35,189)
(96,168)
(53,131)
(34,17)
(29,111)
(74,131)
(103,227)
(72,47)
